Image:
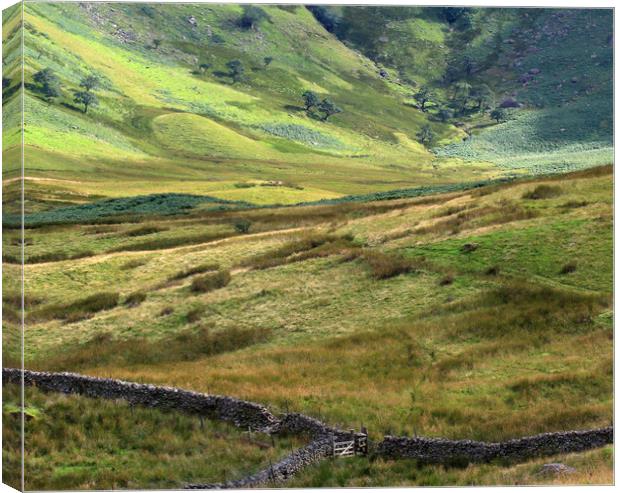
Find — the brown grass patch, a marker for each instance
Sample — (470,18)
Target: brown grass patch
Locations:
(543,192)
(210,282)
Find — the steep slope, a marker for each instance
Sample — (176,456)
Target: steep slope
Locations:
(168,103)
(555,65)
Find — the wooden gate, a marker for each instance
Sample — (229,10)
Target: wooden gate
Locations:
(357,445)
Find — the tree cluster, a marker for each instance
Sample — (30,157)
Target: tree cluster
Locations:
(87,97)
(326,106)
(48,84)
(251,17)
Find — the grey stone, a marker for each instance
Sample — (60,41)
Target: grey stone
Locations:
(556,469)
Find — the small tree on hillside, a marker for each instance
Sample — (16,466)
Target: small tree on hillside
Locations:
(86,98)
(311,100)
(51,91)
(252,16)
(499,114)
(328,108)
(49,83)
(423,96)
(268,60)
(157,43)
(237,71)
(426,135)
(203,67)
(90,82)
(45,76)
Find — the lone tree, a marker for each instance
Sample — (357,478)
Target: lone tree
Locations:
(86,98)
(268,60)
(157,43)
(252,16)
(49,83)
(499,114)
(90,82)
(426,135)
(237,71)
(311,100)
(423,96)
(328,108)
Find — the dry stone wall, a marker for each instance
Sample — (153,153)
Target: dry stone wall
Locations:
(257,417)
(442,451)
(236,411)
(280,472)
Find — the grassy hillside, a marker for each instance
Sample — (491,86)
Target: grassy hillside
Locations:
(320,298)
(555,63)
(166,124)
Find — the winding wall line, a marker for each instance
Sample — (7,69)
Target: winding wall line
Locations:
(246,414)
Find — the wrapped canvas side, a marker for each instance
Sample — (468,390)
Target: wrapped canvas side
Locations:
(14,412)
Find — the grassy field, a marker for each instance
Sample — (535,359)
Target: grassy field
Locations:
(473,314)
(115,447)
(454,291)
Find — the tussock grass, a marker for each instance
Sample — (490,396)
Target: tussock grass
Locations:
(133,264)
(185,345)
(547,384)
(58,256)
(574,204)
(528,310)
(78,310)
(312,245)
(543,192)
(471,217)
(135,299)
(568,268)
(198,269)
(81,443)
(210,282)
(144,231)
(386,265)
(167,310)
(194,314)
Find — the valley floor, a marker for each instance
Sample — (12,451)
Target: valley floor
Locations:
(482,314)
